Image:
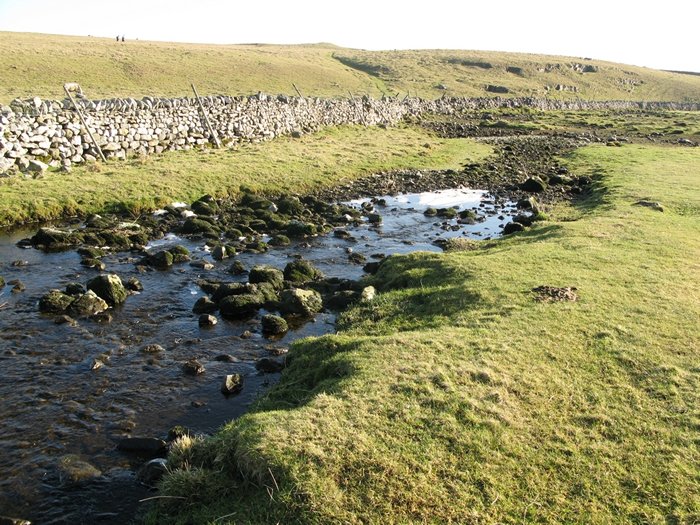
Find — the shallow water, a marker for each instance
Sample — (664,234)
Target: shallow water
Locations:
(54,404)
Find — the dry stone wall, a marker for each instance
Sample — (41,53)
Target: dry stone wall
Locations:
(35,133)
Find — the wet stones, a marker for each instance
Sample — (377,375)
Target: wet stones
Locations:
(207,320)
(267,274)
(145,446)
(533,185)
(301,272)
(73,470)
(193,367)
(109,287)
(55,302)
(241,306)
(53,239)
(267,365)
(152,471)
(273,325)
(87,304)
(300,302)
(232,384)
(204,305)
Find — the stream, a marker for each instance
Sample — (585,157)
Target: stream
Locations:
(74,390)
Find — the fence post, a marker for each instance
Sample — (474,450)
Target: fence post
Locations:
(206,118)
(82,119)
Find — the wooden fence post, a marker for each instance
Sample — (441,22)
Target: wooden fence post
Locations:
(82,119)
(206,118)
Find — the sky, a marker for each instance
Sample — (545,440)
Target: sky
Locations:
(629,32)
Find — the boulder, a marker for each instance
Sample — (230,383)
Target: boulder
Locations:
(194,225)
(267,274)
(2,281)
(227,289)
(87,304)
(267,365)
(55,302)
(153,349)
(207,320)
(241,306)
(204,305)
(152,471)
(274,325)
(342,299)
(193,367)
(52,238)
(219,253)
(368,294)
(143,446)
(233,384)
(179,253)
(237,268)
(301,271)
(74,470)
(37,166)
(161,260)
(300,302)
(134,285)
(109,287)
(533,185)
(512,227)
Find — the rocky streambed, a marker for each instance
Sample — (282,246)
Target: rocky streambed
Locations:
(119,335)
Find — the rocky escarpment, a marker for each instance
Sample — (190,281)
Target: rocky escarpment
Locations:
(36,134)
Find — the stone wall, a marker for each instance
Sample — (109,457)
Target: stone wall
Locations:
(36,133)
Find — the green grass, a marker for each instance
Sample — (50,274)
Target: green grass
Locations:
(322,159)
(455,397)
(38,65)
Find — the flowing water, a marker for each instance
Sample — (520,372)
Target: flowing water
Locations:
(55,403)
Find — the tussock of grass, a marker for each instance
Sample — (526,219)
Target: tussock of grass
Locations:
(456,397)
(140,185)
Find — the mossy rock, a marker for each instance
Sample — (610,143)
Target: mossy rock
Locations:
(534,185)
(204,305)
(179,252)
(297,301)
(90,252)
(109,287)
(274,325)
(447,213)
(87,304)
(53,238)
(259,225)
(196,225)
(270,293)
(430,212)
(290,206)
(204,208)
(55,302)
(116,240)
(279,240)
(301,271)
(226,289)
(300,229)
(241,306)
(267,274)
(257,247)
(161,260)
(2,281)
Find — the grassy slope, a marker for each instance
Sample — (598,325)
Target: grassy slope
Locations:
(455,397)
(421,71)
(324,158)
(38,65)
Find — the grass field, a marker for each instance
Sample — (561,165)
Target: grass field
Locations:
(140,185)
(38,65)
(455,397)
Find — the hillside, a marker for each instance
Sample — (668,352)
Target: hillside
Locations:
(38,65)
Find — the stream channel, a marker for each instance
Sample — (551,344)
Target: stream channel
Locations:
(57,406)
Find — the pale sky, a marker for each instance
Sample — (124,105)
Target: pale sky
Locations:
(627,31)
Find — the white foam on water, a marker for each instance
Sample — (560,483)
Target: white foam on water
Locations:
(434,199)
(179,205)
(168,239)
